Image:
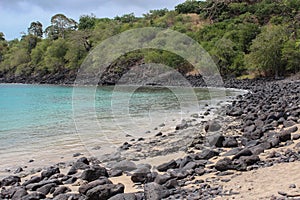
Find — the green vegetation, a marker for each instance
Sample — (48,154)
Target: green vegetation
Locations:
(244,37)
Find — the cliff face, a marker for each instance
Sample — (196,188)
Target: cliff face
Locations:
(123,72)
(111,75)
(62,77)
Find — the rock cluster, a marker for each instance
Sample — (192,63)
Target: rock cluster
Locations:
(260,121)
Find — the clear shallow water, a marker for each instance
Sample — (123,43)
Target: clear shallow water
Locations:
(45,122)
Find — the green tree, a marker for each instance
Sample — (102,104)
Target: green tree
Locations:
(36,29)
(38,53)
(291,55)
(189,6)
(87,22)
(127,18)
(55,56)
(78,46)
(242,34)
(2,38)
(223,53)
(104,29)
(266,51)
(29,42)
(153,14)
(3,46)
(60,25)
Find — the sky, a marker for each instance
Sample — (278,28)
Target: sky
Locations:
(16,15)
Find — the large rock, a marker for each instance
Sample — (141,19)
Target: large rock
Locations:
(115,173)
(50,171)
(124,165)
(244,152)
(256,150)
(169,165)
(84,188)
(285,136)
(14,193)
(141,175)
(184,161)
(250,160)
(70,196)
(61,190)
(206,154)
(72,170)
(162,178)
(103,192)
(289,123)
(10,180)
(171,184)
(224,164)
(216,140)
(19,193)
(259,123)
(35,186)
(94,173)
(81,163)
(273,141)
(34,196)
(154,191)
(212,126)
(250,129)
(189,166)
(83,160)
(178,173)
(46,188)
(232,152)
(230,142)
(244,161)
(128,196)
(34,179)
(255,135)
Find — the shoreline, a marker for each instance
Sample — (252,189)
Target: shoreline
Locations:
(182,177)
(80,148)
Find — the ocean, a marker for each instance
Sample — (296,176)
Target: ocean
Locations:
(48,123)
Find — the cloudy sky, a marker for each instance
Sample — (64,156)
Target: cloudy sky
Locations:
(16,15)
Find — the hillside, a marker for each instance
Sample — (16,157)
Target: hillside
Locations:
(244,37)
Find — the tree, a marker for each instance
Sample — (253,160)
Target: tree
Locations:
(223,54)
(189,6)
(78,46)
(36,29)
(54,56)
(153,14)
(127,18)
(29,42)
(3,46)
(243,34)
(266,50)
(60,24)
(291,55)
(2,38)
(38,53)
(87,22)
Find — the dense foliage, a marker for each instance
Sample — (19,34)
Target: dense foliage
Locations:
(257,37)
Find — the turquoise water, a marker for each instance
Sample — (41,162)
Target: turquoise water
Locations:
(46,122)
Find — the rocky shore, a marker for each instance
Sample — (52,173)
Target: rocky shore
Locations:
(255,133)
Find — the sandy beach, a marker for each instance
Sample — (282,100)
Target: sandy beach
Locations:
(206,156)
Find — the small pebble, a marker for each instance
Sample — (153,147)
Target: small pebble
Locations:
(292,186)
(282,193)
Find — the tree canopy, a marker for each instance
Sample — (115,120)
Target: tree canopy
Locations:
(259,37)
